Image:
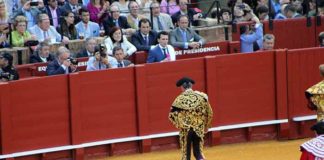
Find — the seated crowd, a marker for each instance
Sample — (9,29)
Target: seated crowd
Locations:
(128,26)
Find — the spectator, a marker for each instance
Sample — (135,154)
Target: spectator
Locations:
(191,13)
(281,15)
(311,8)
(100,60)
(115,20)
(4,17)
(184,37)
(98,10)
(321,39)
(74,6)
(119,55)
(134,17)
(54,13)
(161,21)
(170,7)
(290,11)
(116,38)
(162,52)
(321,8)
(123,6)
(312,149)
(20,35)
(86,28)
(226,16)
(144,39)
(67,27)
(249,36)
(62,64)
(42,54)
(30,12)
(4,26)
(89,50)
(263,13)
(268,42)
(44,31)
(7,70)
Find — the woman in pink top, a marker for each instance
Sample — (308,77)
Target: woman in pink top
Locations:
(98,10)
(173,7)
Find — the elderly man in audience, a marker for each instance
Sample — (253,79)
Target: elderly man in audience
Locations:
(100,60)
(185,37)
(134,17)
(63,64)
(54,12)
(144,39)
(115,20)
(86,28)
(162,52)
(44,31)
(161,21)
(30,12)
(42,54)
(268,42)
(89,49)
(251,35)
(116,38)
(119,54)
(191,13)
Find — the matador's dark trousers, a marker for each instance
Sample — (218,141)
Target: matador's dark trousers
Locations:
(186,141)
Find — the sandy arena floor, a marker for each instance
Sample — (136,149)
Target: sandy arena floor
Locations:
(265,150)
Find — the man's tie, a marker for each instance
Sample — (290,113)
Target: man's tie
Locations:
(159,23)
(184,36)
(45,34)
(164,52)
(116,23)
(146,40)
(120,65)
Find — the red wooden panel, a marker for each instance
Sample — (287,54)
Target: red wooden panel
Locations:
(105,104)
(37,114)
(161,88)
(303,72)
(25,70)
(292,33)
(245,88)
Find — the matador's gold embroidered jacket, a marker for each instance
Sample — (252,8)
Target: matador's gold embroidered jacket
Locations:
(191,109)
(316,95)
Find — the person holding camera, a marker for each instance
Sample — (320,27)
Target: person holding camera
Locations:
(100,60)
(251,35)
(63,64)
(31,9)
(7,71)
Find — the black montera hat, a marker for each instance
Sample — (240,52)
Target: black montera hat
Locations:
(184,80)
(318,127)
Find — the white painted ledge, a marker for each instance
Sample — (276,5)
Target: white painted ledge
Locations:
(304,118)
(136,138)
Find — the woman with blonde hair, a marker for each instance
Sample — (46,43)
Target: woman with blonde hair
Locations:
(20,35)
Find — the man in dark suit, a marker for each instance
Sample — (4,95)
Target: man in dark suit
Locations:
(89,49)
(118,53)
(144,38)
(116,20)
(191,13)
(62,64)
(74,6)
(42,54)
(162,52)
(54,13)
(185,37)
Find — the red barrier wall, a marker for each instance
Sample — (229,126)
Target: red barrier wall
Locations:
(303,72)
(35,114)
(103,105)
